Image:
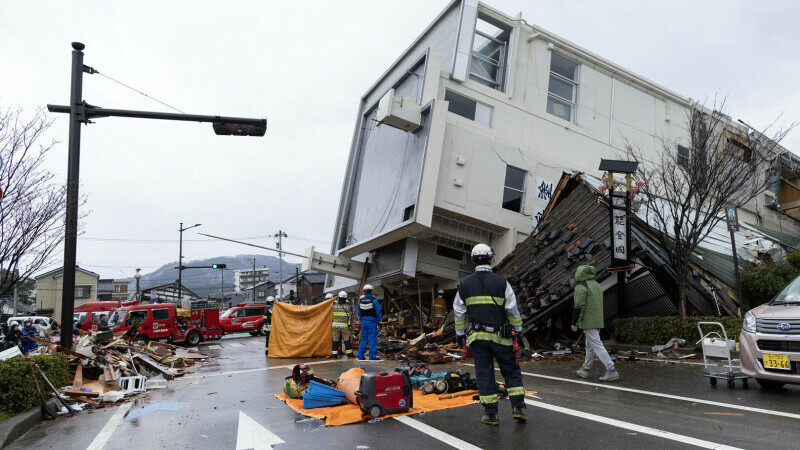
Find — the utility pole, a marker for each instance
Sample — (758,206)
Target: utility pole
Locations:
(280,236)
(138,277)
(221,285)
(81,112)
(253,278)
(15,280)
(297,284)
(180,257)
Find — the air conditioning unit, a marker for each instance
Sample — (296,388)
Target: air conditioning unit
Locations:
(398,112)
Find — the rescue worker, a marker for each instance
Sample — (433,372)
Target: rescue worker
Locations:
(267,325)
(588,316)
(369,312)
(102,324)
(340,327)
(328,297)
(485,310)
(439,312)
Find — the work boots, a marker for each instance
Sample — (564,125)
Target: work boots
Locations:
(611,375)
(490,419)
(518,413)
(583,373)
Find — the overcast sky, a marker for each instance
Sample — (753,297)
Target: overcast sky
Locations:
(304,65)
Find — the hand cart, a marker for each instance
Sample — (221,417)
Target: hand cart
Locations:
(716,346)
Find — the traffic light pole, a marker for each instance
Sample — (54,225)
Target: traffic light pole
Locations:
(81,112)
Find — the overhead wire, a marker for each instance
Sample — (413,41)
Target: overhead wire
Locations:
(138,91)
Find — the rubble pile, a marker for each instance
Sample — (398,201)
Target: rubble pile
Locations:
(105,369)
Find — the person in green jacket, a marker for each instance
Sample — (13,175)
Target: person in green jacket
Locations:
(588,316)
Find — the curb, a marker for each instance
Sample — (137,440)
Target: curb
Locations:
(21,423)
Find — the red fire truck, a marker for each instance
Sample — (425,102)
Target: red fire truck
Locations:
(243,317)
(88,313)
(161,321)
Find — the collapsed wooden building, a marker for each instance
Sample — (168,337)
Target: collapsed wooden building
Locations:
(575,229)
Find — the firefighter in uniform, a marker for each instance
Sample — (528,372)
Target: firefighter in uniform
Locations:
(267,327)
(439,310)
(485,313)
(369,312)
(340,328)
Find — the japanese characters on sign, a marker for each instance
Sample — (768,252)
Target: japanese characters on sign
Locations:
(538,212)
(731,217)
(544,189)
(619,229)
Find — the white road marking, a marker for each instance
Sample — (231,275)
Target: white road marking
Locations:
(670,396)
(253,436)
(260,369)
(214,347)
(234,344)
(102,437)
(435,433)
(632,427)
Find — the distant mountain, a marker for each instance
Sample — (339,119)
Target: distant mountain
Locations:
(204,281)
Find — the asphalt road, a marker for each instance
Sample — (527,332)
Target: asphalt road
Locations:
(654,405)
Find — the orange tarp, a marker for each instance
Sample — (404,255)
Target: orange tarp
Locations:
(349,413)
(300,331)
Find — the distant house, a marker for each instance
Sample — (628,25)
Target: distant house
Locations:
(121,289)
(228,299)
(244,279)
(50,285)
(309,286)
(7,308)
(168,293)
(105,289)
(262,291)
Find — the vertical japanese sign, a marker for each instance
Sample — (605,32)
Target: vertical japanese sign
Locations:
(731,217)
(619,227)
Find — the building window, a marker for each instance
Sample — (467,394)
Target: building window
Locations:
(562,92)
(261,294)
(490,52)
(514,188)
(82,291)
(466,107)
(684,155)
(740,148)
(448,252)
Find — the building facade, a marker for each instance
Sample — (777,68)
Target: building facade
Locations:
(168,293)
(462,140)
(308,286)
(244,279)
(260,293)
(50,287)
(121,290)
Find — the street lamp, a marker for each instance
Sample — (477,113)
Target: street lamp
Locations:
(138,277)
(81,112)
(180,256)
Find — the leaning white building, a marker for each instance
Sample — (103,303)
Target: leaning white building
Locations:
(461,140)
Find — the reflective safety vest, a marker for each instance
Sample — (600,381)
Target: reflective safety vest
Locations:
(365,305)
(484,294)
(341,315)
(439,309)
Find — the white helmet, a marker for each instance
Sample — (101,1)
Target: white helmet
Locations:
(342,294)
(328,296)
(13,324)
(367,288)
(482,252)
(270,299)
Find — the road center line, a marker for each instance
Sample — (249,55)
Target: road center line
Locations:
(436,433)
(670,396)
(633,427)
(102,437)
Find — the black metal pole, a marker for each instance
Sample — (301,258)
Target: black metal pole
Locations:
(73,176)
(180,260)
(221,284)
(743,305)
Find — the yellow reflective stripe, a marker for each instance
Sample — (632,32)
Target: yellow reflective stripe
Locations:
(339,313)
(519,390)
(515,321)
(484,336)
(488,398)
(461,322)
(484,300)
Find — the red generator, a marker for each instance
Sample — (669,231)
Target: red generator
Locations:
(385,393)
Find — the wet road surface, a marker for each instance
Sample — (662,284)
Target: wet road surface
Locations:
(654,405)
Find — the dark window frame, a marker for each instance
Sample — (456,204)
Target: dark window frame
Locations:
(159,310)
(517,200)
(444,251)
(574,83)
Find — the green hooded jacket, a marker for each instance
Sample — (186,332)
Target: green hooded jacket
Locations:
(588,298)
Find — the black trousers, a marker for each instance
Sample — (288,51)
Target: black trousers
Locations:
(484,354)
(266,349)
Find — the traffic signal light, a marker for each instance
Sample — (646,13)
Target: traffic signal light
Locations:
(219,266)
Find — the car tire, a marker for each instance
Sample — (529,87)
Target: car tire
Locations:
(193,338)
(769,384)
(260,329)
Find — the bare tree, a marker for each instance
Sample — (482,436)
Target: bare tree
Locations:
(32,204)
(687,187)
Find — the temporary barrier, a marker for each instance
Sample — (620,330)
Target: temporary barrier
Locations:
(300,331)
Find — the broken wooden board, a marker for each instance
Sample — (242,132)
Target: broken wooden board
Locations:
(170,374)
(77,382)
